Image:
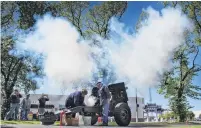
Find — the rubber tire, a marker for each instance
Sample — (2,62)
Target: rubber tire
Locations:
(47,123)
(117,114)
(94,119)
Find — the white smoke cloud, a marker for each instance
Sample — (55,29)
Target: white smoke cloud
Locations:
(66,59)
(90,100)
(139,58)
(143,57)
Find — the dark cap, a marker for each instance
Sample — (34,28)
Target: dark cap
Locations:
(84,91)
(16,90)
(99,83)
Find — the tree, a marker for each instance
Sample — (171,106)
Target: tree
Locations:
(200,116)
(7,11)
(74,12)
(177,84)
(27,10)
(168,116)
(98,17)
(193,10)
(14,72)
(190,115)
(143,17)
(14,69)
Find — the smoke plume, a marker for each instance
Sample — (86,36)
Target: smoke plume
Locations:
(139,57)
(66,56)
(89,100)
(144,56)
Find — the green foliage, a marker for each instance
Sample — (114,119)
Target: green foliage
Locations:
(97,21)
(193,10)
(177,84)
(14,72)
(190,115)
(27,10)
(142,20)
(7,20)
(168,115)
(74,11)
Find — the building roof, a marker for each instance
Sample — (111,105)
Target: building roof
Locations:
(53,99)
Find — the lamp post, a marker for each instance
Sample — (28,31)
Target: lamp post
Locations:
(136,107)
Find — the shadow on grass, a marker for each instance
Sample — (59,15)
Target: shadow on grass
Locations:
(132,124)
(3,126)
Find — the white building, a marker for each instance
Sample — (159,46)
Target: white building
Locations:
(140,111)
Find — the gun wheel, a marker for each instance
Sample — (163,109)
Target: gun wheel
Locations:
(122,114)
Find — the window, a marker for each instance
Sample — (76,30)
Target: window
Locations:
(61,106)
(49,106)
(46,106)
(34,106)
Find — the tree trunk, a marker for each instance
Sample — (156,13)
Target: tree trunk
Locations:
(8,90)
(6,103)
(180,106)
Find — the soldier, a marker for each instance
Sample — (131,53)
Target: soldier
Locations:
(42,100)
(105,96)
(14,106)
(76,99)
(25,106)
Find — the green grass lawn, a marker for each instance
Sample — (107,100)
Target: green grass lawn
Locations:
(194,126)
(20,122)
(113,124)
(24,122)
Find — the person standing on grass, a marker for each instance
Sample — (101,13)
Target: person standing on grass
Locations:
(25,107)
(42,100)
(104,95)
(14,106)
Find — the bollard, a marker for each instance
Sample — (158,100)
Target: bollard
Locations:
(99,120)
(80,120)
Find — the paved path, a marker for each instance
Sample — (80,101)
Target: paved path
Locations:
(132,125)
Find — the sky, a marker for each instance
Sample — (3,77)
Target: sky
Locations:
(130,19)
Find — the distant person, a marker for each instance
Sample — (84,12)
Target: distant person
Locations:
(42,100)
(76,99)
(14,106)
(25,106)
(104,95)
